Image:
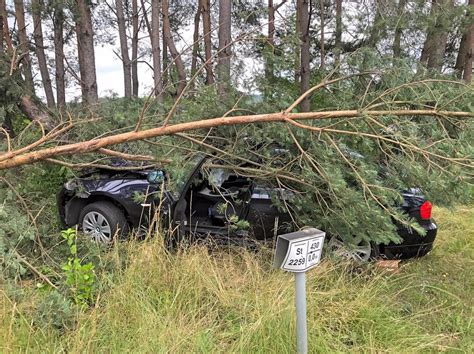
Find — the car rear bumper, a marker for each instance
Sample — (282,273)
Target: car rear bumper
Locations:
(413,244)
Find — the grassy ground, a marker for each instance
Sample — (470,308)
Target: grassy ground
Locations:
(234,302)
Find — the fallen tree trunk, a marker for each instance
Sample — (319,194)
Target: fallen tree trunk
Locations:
(34,113)
(11,159)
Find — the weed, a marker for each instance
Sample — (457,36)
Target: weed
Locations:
(80,278)
(56,311)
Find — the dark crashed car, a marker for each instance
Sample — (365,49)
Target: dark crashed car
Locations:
(217,202)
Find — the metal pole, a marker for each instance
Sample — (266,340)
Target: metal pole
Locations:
(301,330)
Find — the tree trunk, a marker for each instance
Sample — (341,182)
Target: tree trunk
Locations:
(194,57)
(461,57)
(440,38)
(34,113)
(425,52)
(85,44)
(145,17)
(178,61)
(155,49)
(24,45)
(135,30)
(303,31)
(338,34)
(165,61)
(2,5)
(397,50)
(225,51)
(206,24)
(322,14)
(467,76)
(80,59)
(270,55)
(6,32)
(297,50)
(269,60)
(37,8)
(127,66)
(427,46)
(435,44)
(377,25)
(59,55)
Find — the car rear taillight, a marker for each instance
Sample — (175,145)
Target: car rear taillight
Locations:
(425,210)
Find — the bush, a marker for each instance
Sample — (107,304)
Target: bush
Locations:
(56,311)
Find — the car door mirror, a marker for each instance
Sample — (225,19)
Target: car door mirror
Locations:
(156,177)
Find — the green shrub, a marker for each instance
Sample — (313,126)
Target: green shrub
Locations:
(80,278)
(56,311)
(16,233)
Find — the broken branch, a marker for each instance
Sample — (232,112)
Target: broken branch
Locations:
(95,144)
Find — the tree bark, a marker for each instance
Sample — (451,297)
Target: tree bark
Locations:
(2,5)
(178,61)
(135,30)
(85,43)
(59,55)
(427,46)
(270,57)
(155,49)
(194,58)
(461,57)
(396,47)
(322,6)
(303,32)
(127,66)
(435,44)
(24,45)
(145,17)
(440,38)
(338,34)
(225,50)
(35,113)
(165,62)
(6,31)
(377,25)
(206,24)
(467,76)
(37,8)
(269,61)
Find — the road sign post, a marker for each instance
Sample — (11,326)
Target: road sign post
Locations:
(297,252)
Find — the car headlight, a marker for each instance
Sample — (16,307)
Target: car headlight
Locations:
(70,185)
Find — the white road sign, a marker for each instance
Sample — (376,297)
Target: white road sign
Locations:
(299,251)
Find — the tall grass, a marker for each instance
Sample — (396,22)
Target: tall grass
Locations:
(232,301)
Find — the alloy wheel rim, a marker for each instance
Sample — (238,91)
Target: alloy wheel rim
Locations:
(356,249)
(97,227)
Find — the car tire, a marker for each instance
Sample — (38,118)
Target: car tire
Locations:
(359,251)
(103,221)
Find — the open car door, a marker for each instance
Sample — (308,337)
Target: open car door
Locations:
(221,202)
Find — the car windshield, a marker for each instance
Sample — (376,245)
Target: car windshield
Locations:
(217,176)
(182,172)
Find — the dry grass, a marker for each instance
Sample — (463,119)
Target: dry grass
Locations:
(232,301)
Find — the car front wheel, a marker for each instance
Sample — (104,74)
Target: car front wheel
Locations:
(102,221)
